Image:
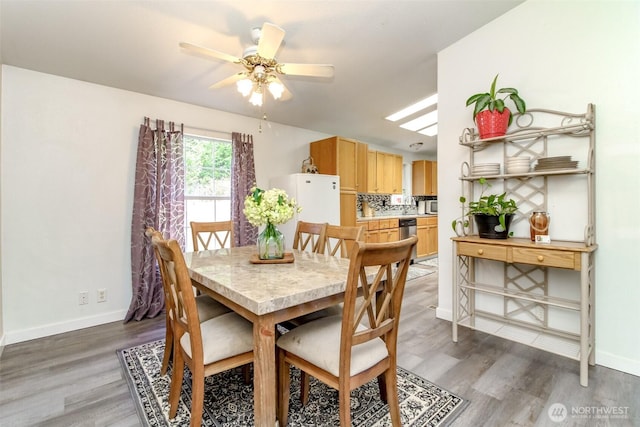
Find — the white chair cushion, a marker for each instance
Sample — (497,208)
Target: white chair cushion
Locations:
(208,308)
(223,336)
(319,343)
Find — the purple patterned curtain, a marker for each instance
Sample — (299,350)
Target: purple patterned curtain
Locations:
(243,177)
(159,203)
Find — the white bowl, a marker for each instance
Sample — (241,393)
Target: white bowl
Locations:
(519,169)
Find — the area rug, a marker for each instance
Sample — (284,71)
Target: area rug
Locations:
(415,272)
(229,401)
(431,262)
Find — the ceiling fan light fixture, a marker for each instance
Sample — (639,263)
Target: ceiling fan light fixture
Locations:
(259,72)
(276,89)
(244,86)
(256,98)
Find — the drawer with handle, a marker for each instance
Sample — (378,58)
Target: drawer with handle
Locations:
(547,258)
(498,253)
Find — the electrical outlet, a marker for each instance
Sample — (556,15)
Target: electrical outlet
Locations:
(102,295)
(83,298)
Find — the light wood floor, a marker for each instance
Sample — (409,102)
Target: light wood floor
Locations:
(75,379)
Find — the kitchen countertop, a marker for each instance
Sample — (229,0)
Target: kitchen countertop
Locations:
(370,218)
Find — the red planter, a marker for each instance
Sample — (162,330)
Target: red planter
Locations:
(492,123)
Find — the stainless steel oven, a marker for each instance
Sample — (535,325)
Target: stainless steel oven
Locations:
(409,227)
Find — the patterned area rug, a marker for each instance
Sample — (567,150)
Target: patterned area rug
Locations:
(229,401)
(431,262)
(415,272)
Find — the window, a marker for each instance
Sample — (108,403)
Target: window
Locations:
(207,181)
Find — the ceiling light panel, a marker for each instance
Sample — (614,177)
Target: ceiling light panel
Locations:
(430,131)
(421,122)
(411,109)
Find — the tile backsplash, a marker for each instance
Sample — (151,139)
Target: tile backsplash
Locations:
(381,204)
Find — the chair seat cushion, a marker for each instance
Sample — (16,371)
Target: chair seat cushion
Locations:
(319,343)
(208,308)
(223,336)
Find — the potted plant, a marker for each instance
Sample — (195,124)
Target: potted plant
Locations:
(492,213)
(490,114)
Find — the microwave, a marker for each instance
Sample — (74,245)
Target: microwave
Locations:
(432,207)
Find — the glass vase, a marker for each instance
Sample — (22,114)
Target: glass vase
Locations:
(270,243)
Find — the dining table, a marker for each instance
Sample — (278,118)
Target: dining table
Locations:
(267,294)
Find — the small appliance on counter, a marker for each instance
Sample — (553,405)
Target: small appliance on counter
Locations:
(366,210)
(422,206)
(431,207)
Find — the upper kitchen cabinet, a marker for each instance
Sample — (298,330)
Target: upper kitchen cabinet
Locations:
(425,178)
(385,173)
(344,157)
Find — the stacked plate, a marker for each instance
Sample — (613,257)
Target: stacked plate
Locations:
(554,163)
(485,169)
(518,164)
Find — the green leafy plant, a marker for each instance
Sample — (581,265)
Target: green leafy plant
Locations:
(493,205)
(490,100)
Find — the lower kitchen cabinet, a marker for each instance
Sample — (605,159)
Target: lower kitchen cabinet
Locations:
(381,230)
(427,232)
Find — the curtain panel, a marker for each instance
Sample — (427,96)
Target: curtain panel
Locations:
(243,178)
(158,203)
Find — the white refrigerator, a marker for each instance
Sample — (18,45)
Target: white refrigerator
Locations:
(318,195)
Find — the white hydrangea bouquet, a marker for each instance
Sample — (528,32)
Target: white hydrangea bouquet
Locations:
(270,207)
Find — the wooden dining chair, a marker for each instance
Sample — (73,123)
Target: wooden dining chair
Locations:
(211,233)
(218,344)
(348,351)
(309,236)
(208,308)
(340,238)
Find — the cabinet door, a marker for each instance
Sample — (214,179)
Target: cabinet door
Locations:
(422,247)
(347,207)
(380,172)
(372,171)
(347,169)
(432,240)
(397,174)
(374,236)
(361,167)
(417,178)
(434,178)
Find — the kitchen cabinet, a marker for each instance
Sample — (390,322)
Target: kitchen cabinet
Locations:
(545,296)
(381,230)
(385,173)
(424,178)
(346,158)
(427,232)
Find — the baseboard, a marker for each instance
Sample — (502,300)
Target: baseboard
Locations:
(623,364)
(61,327)
(2,344)
(444,314)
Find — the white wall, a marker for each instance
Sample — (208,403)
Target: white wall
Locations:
(68,161)
(562,55)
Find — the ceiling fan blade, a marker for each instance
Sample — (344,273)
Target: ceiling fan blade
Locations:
(271,38)
(312,70)
(229,80)
(210,53)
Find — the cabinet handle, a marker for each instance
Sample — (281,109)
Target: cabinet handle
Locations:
(540,258)
(480,251)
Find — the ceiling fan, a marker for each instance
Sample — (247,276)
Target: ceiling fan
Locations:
(261,70)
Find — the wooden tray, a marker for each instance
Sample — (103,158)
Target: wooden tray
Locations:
(288,258)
